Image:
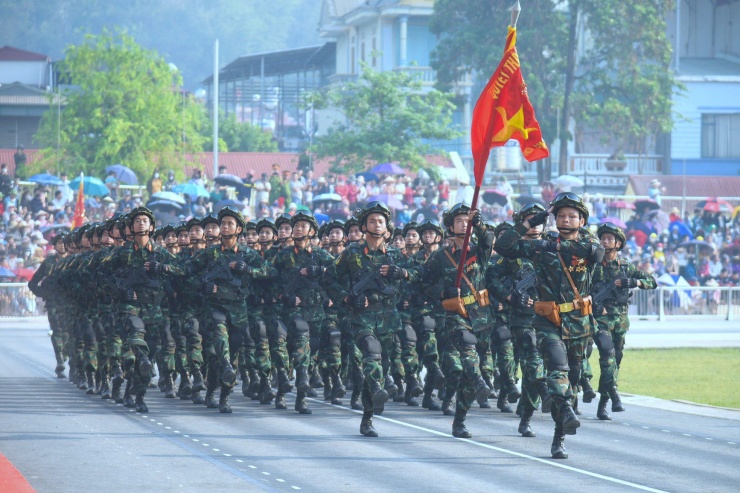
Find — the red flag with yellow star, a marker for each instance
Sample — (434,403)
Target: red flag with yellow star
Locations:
(79,216)
(504,112)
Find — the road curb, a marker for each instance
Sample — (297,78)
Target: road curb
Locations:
(682,406)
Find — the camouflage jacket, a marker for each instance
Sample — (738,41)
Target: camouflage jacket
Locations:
(36,286)
(580,257)
(607,270)
(501,277)
(420,304)
(439,268)
(288,262)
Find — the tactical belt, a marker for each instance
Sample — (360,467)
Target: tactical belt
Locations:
(569,307)
(468,300)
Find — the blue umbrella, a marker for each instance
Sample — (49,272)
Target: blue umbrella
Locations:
(321,218)
(46,179)
(123,174)
(91,186)
(388,169)
(226,203)
(170,196)
(683,230)
(164,204)
(191,189)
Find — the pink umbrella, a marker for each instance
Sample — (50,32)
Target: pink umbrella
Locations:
(614,220)
(622,204)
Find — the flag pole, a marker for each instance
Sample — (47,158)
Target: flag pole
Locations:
(515,10)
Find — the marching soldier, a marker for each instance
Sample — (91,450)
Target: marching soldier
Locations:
(564,319)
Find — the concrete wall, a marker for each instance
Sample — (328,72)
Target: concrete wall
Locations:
(31,73)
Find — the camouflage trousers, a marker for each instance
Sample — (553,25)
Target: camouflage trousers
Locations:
(330,345)
(426,340)
(392,352)
(190,328)
(450,363)
(408,340)
(257,347)
(59,335)
(502,347)
(147,328)
(374,333)
(182,366)
(465,341)
(227,328)
(530,361)
(88,340)
(610,343)
(562,383)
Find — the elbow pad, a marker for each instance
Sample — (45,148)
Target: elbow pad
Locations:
(597,253)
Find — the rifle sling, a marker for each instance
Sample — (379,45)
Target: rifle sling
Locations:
(570,280)
(467,281)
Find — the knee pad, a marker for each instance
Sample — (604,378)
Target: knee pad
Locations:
(529,339)
(300,326)
(428,324)
(218,316)
(136,324)
(370,348)
(466,338)
(502,333)
(397,342)
(192,327)
(281,331)
(604,342)
(409,334)
(167,338)
(335,338)
(556,358)
(260,330)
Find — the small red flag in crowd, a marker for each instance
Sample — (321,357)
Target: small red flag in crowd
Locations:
(79,216)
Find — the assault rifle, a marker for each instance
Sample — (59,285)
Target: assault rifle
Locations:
(371,280)
(524,280)
(222,272)
(135,277)
(607,293)
(298,281)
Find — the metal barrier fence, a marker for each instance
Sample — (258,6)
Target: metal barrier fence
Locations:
(16,300)
(719,303)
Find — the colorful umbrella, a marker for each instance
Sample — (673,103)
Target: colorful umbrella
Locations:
(90,186)
(495,197)
(644,204)
(46,179)
(389,200)
(123,174)
(191,189)
(388,169)
(621,204)
(169,196)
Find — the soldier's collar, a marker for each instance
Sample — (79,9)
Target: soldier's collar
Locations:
(381,248)
(297,249)
(454,248)
(148,246)
(235,249)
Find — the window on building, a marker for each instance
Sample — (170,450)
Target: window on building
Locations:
(720,135)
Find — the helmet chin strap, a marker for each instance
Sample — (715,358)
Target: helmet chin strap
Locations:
(374,235)
(227,237)
(567,231)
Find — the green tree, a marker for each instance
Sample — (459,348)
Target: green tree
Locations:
(629,88)
(125,106)
(235,136)
(622,82)
(386,118)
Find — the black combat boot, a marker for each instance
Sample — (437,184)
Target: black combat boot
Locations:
(99,381)
(545,396)
(145,366)
(601,412)
(169,386)
(300,403)
(223,400)
(284,385)
(489,381)
(210,400)
(255,384)
(496,380)
(434,372)
(413,387)
(428,401)
(162,382)
(501,403)
(82,380)
(327,384)
(266,394)
(197,398)
(482,391)
(398,382)
(141,406)
(379,397)
(576,409)
(557,450)
(617,406)
(513,394)
(128,401)
(105,388)
(338,389)
(244,377)
(366,425)
(588,391)
(459,430)
(448,408)
(228,375)
(301,381)
(198,383)
(115,391)
(358,380)
(90,382)
(116,374)
(524,428)
(390,387)
(59,370)
(280,401)
(569,419)
(316,380)
(186,387)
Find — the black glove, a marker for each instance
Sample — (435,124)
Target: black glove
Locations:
(520,300)
(314,271)
(240,266)
(537,219)
(545,246)
(291,300)
(450,293)
(477,219)
(156,266)
(130,295)
(631,283)
(357,302)
(395,272)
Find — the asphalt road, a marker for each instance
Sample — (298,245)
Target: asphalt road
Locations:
(65,441)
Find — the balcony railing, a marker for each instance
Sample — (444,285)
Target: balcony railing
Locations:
(598,164)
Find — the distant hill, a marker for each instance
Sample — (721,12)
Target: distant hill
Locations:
(183,31)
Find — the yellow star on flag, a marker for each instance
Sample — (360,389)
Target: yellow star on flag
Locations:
(515,123)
